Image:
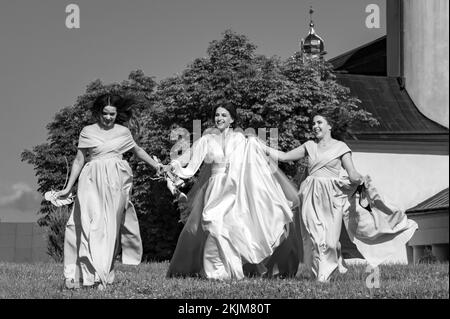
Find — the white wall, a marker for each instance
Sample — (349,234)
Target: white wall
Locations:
(405,179)
(426,56)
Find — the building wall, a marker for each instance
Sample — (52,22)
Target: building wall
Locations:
(404,179)
(22,242)
(425,56)
(432,233)
(433,228)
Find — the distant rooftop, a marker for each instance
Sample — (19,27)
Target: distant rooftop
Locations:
(434,203)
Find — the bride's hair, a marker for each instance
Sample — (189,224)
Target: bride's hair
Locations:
(122,104)
(230,108)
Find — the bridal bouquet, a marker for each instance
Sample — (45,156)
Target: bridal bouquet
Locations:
(58,202)
(51,195)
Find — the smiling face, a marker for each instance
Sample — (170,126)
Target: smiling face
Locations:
(222,118)
(108,116)
(320,127)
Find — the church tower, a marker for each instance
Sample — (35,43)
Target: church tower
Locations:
(313,45)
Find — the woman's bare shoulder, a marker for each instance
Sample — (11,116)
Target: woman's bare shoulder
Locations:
(121,127)
(89,128)
(121,130)
(342,144)
(308,144)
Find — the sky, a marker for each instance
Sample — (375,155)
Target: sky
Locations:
(45,66)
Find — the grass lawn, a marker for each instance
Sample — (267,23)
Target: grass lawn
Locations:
(45,280)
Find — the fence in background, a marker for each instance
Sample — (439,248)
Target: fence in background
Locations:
(23,242)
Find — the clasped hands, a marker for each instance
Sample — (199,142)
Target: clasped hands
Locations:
(365,180)
(161,169)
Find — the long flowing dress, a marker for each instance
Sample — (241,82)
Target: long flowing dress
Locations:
(239,212)
(103,219)
(327,198)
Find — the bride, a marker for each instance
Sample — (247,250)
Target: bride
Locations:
(240,208)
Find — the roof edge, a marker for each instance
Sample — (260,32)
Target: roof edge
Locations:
(350,52)
(437,210)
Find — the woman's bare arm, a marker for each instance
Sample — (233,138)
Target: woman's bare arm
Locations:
(143,156)
(353,174)
(292,155)
(77,165)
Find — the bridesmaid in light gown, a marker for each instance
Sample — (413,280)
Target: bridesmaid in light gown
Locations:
(326,199)
(240,209)
(103,218)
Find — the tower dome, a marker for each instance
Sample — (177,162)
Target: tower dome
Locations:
(313,45)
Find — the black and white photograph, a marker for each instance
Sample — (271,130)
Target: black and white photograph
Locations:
(224,158)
